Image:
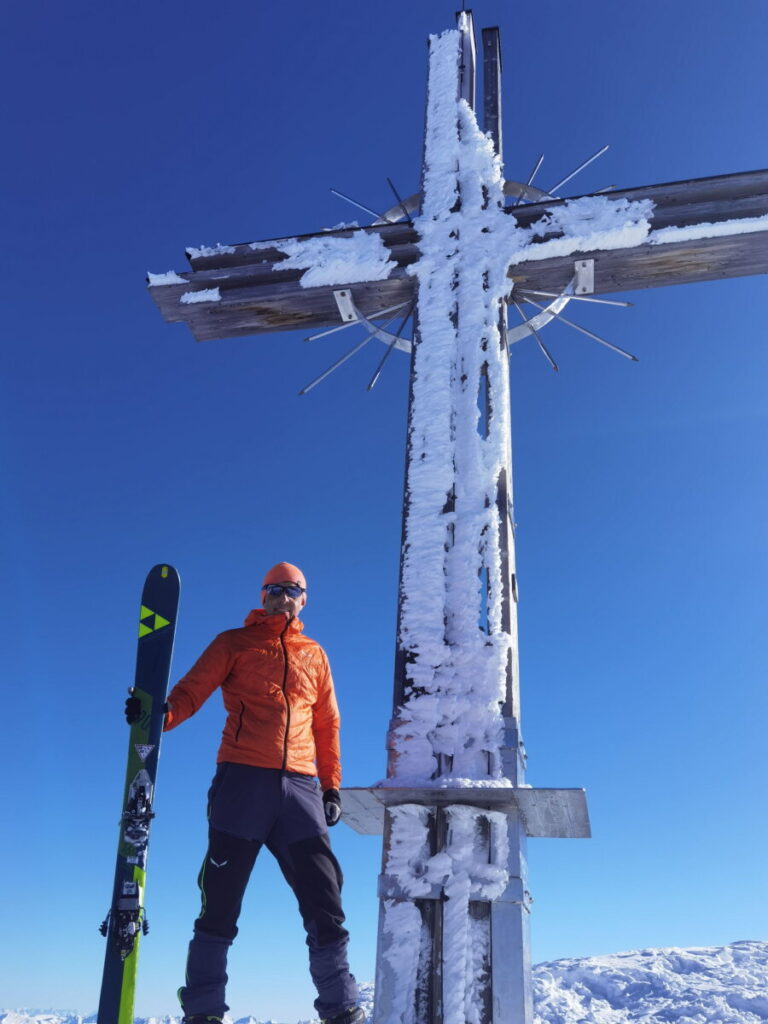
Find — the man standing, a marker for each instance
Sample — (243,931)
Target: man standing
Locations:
(282,729)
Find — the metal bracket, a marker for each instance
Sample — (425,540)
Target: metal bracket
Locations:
(345,305)
(585,277)
(516,894)
(349,313)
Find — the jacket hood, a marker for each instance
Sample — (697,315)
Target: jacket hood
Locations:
(258,617)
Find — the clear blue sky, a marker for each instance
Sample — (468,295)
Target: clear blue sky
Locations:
(131,131)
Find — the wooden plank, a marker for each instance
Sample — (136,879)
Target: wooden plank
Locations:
(257,296)
(654,266)
(282,306)
(288,307)
(269,251)
(492,87)
(468,58)
(683,202)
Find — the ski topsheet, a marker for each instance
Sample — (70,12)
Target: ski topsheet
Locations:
(126,919)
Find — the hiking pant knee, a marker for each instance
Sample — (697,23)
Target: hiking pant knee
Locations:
(314,875)
(222,880)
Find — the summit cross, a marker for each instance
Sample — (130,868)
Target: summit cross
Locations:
(454,809)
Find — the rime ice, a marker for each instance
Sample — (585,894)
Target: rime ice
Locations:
(337,260)
(449,729)
(205,295)
(169,277)
(456,672)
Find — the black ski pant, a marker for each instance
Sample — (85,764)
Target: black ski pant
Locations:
(249,808)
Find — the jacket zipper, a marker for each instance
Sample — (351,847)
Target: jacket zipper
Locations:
(240,722)
(285,696)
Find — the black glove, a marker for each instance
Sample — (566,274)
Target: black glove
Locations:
(332,807)
(132,709)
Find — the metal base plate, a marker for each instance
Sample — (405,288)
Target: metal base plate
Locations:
(546,813)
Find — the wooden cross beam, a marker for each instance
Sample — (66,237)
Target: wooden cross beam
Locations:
(257,295)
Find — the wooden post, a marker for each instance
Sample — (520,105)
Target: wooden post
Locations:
(501,992)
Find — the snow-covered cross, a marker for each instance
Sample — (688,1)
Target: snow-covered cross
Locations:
(455,809)
(453,934)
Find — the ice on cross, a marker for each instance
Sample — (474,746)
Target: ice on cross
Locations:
(454,900)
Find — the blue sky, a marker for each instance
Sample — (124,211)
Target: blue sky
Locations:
(641,500)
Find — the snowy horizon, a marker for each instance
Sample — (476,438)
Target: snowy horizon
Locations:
(695,985)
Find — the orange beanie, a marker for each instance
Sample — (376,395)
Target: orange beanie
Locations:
(282,573)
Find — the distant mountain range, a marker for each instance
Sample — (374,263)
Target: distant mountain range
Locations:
(703,985)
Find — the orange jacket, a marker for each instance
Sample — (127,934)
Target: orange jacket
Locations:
(279,695)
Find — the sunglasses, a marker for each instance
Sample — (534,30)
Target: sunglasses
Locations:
(276,589)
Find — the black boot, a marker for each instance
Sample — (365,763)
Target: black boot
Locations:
(354,1015)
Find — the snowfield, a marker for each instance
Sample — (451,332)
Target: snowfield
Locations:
(704,985)
(708,985)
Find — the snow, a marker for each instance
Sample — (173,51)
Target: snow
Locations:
(740,226)
(455,671)
(708,985)
(337,260)
(699,985)
(170,277)
(344,225)
(210,250)
(588,223)
(206,295)
(447,782)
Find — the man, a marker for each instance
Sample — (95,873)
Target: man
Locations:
(282,729)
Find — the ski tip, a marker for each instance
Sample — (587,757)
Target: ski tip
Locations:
(163,570)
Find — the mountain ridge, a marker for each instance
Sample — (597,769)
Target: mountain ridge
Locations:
(694,985)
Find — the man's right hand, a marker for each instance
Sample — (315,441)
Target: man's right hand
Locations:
(132,709)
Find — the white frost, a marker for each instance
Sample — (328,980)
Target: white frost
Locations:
(450,723)
(704,985)
(448,782)
(333,260)
(170,277)
(588,223)
(472,866)
(344,225)
(210,250)
(206,295)
(741,226)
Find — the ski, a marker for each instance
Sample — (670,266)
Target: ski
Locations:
(126,920)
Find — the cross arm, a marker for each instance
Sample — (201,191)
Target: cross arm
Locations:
(722,201)
(245,289)
(251,292)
